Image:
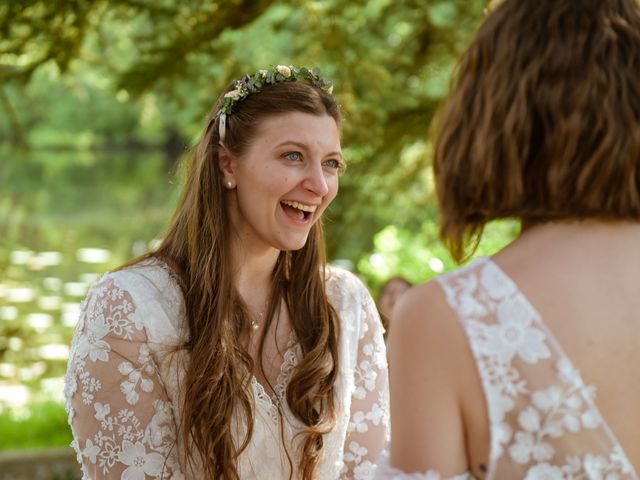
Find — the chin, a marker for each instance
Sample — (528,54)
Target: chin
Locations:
(291,245)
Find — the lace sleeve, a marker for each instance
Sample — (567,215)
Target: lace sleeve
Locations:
(119,413)
(368,428)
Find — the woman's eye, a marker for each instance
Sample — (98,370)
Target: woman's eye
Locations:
(335,165)
(293,156)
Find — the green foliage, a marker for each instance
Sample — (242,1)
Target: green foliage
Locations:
(42,425)
(143,73)
(420,256)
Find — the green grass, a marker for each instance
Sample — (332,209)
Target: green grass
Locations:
(44,426)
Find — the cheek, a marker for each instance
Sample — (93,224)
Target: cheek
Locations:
(333,185)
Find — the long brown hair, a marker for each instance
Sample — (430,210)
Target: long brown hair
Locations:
(543,121)
(217,380)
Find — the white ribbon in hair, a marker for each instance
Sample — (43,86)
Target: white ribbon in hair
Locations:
(222,126)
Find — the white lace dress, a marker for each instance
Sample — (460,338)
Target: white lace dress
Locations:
(123,385)
(543,419)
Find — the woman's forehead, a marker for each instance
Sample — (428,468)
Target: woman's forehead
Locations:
(312,131)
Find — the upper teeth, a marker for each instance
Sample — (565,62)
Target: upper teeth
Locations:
(301,206)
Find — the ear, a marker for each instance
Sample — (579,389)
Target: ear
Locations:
(227,166)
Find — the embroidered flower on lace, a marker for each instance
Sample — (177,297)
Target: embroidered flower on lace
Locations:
(92,344)
(529,446)
(140,463)
(544,471)
(493,282)
(91,451)
(367,370)
(552,413)
(467,303)
(366,375)
(593,467)
(364,470)
(355,452)
(378,357)
(506,384)
(514,335)
(90,385)
(101,411)
(360,420)
(135,376)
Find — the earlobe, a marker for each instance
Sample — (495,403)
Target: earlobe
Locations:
(226,164)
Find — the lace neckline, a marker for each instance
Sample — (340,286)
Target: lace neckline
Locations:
(562,354)
(274,403)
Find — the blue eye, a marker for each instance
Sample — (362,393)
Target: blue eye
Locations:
(335,164)
(293,156)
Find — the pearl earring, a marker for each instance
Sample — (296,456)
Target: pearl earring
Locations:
(229,184)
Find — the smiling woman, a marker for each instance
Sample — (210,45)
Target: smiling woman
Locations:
(284,181)
(233,351)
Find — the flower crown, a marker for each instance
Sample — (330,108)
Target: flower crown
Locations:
(249,84)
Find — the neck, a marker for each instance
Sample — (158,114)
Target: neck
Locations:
(253,271)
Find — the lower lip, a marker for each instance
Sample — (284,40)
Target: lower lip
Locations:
(304,221)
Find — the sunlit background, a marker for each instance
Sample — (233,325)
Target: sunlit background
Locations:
(99,101)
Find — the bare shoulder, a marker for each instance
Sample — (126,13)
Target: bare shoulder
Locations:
(424,333)
(431,369)
(423,310)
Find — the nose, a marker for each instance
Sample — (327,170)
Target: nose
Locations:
(315,180)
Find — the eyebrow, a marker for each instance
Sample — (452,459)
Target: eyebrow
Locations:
(305,147)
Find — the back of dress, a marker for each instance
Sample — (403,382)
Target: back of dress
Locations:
(543,419)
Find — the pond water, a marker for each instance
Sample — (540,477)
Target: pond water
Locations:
(66,218)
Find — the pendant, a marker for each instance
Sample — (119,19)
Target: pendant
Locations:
(255,324)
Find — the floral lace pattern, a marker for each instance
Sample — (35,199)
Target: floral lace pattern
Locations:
(544,423)
(110,354)
(121,398)
(368,426)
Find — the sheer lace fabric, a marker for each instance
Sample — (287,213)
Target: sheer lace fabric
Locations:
(543,419)
(123,385)
(386,472)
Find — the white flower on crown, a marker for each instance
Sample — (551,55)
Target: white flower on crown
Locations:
(234,94)
(283,70)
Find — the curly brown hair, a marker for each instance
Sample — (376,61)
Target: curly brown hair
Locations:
(197,246)
(543,120)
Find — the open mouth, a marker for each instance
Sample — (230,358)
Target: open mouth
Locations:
(298,211)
